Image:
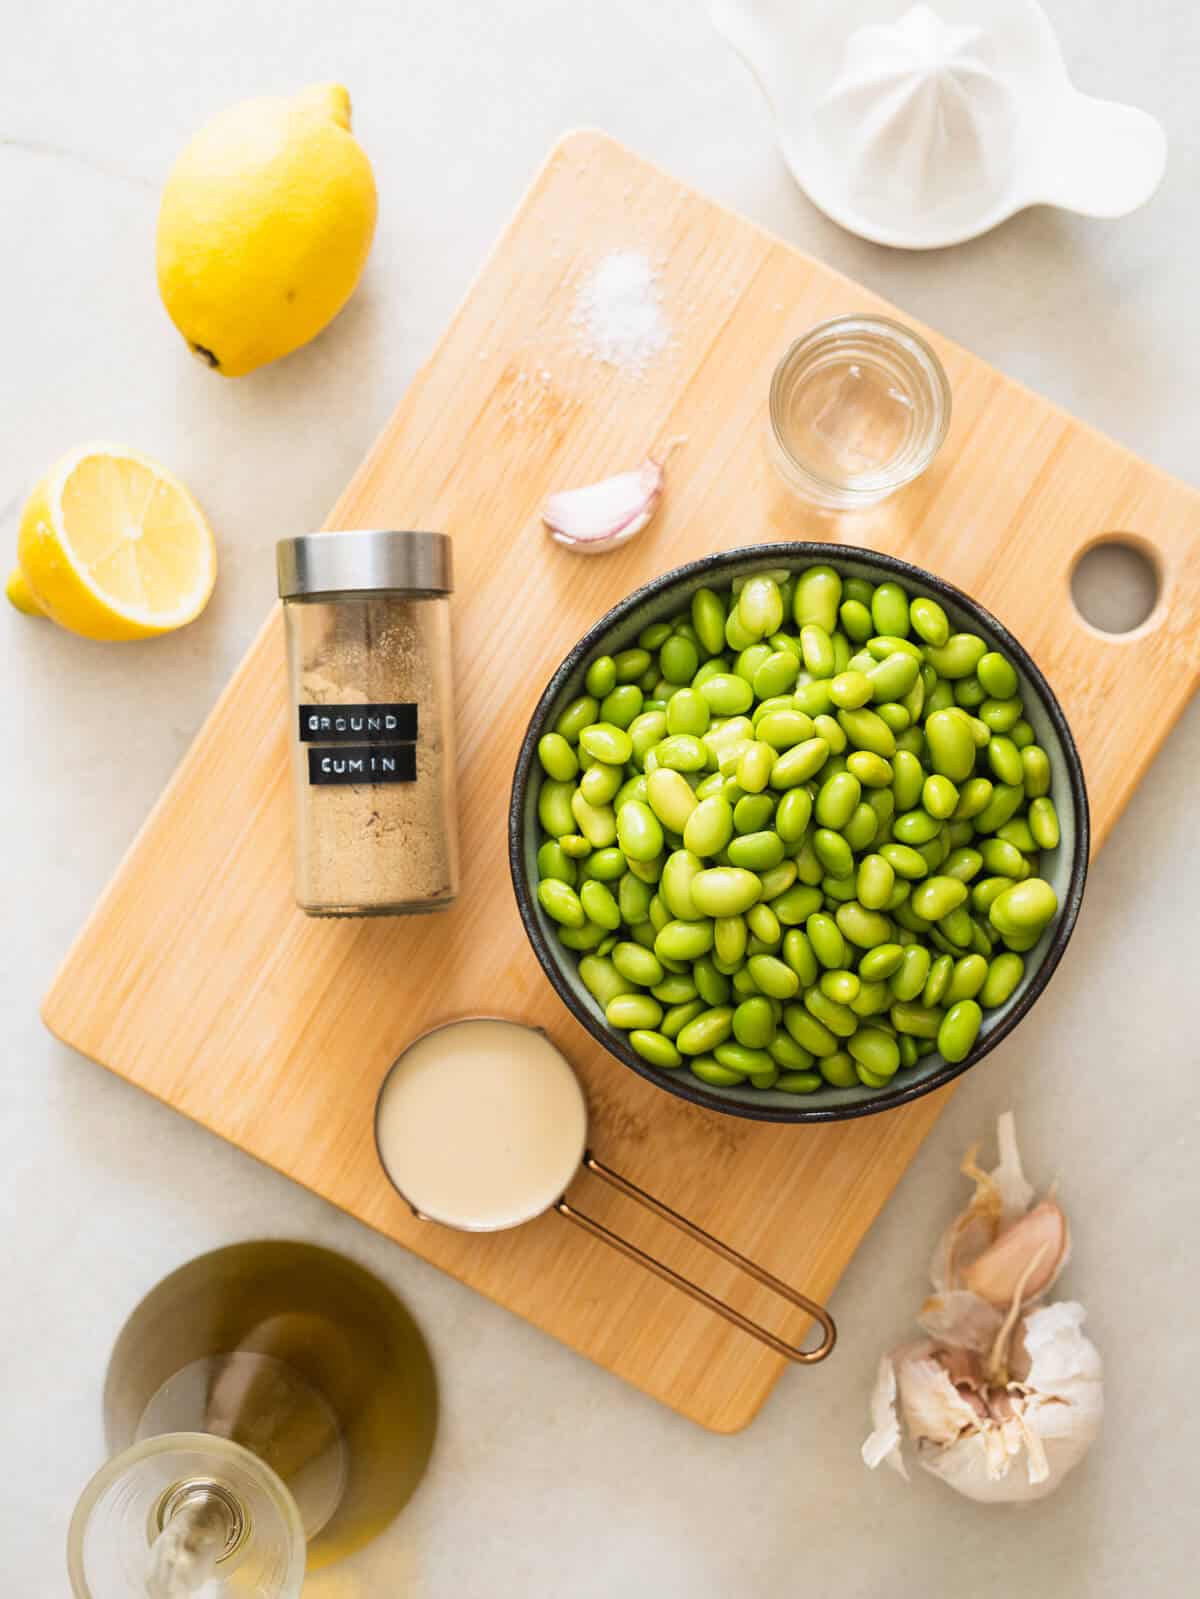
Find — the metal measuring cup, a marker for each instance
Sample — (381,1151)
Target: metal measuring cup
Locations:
(437,1125)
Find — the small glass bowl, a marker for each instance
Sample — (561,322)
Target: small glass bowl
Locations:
(859,407)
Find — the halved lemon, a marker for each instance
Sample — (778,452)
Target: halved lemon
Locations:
(113,547)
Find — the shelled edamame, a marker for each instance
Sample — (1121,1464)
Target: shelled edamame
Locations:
(795,833)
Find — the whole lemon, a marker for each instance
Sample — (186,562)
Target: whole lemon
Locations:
(264,228)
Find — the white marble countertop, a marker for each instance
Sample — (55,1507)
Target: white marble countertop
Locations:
(552,1477)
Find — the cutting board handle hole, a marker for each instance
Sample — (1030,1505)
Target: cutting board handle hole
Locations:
(1117,587)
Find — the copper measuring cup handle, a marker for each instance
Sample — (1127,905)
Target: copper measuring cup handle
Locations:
(716,1247)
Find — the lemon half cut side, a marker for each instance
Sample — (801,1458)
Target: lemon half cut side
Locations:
(112,546)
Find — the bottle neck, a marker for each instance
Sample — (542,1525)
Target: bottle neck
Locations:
(200,1522)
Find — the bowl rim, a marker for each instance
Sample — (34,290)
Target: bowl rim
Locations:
(682,1084)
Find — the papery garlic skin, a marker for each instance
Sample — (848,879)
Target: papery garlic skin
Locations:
(1002,1398)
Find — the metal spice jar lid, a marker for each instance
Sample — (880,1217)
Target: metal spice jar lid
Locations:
(362,560)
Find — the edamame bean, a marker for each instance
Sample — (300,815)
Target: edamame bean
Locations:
(708,619)
(675,886)
(938,981)
(826,940)
(787,1054)
(670,797)
(958,657)
(893,677)
(601,677)
(973,798)
(1004,758)
(709,1071)
(838,1070)
(839,1019)
(727,694)
(882,961)
(1003,805)
(553,861)
(1043,822)
(963,863)
(677,1018)
(1035,767)
(833,852)
(958,1030)
(866,730)
(554,807)
(580,713)
(600,784)
(774,977)
(929,621)
(856,621)
(560,901)
(638,830)
(912,973)
(799,763)
(757,852)
(936,897)
(850,690)
(817,595)
(939,796)
(709,828)
(871,770)
(875,882)
(602,979)
(684,941)
(1023,908)
(875,1049)
(557,757)
(783,729)
(655,1048)
(622,705)
(915,828)
(1003,974)
(754,1023)
(951,746)
(702,1035)
(598,823)
(633,1010)
(816,648)
(923,1021)
(751,814)
(688,712)
(967,978)
(725,891)
(864,928)
(797,1082)
(889,610)
(599,905)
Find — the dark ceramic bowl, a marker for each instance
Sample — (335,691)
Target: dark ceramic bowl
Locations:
(666,596)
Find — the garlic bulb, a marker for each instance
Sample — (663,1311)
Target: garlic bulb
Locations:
(602,515)
(1003,1395)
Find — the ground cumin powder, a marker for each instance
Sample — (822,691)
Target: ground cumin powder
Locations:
(367,846)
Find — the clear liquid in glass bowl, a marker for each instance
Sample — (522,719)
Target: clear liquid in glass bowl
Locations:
(859,407)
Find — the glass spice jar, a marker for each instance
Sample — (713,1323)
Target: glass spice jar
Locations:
(367,619)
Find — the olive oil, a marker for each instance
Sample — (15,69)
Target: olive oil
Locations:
(300,1356)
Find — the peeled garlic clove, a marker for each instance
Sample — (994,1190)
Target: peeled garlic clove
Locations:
(603,515)
(1025,1260)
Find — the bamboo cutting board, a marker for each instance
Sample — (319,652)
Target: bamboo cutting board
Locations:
(197,979)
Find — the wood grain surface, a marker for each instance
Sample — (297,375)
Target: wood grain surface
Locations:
(198,980)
